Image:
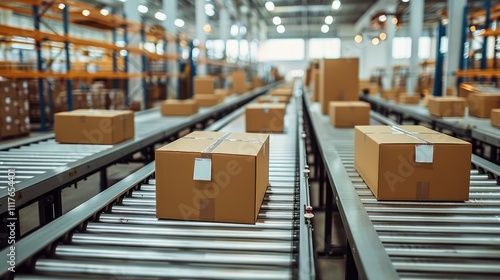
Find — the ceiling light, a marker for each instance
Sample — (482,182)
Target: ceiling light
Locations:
(444,21)
(329,20)
(104,12)
(394,21)
(61,6)
(276,20)
(382,36)
(123,1)
(280,29)
(336,4)
(207,28)
(358,38)
(243,30)
(86,13)
(123,52)
(209,9)
(473,28)
(234,30)
(325,28)
(405,1)
(270,6)
(382,18)
(160,16)
(142,9)
(179,22)
(375,41)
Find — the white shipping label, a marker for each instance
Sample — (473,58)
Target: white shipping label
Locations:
(202,169)
(424,153)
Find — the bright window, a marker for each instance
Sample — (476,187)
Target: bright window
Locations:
(324,48)
(401,47)
(281,49)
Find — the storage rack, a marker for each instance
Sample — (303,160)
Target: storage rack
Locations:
(116,233)
(404,239)
(44,167)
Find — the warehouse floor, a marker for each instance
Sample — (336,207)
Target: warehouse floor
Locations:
(326,267)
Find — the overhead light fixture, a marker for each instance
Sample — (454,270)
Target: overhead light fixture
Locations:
(328,20)
(280,29)
(142,9)
(104,12)
(382,18)
(276,20)
(269,6)
(209,9)
(86,13)
(375,41)
(123,52)
(444,21)
(336,4)
(234,30)
(325,28)
(207,28)
(179,22)
(243,30)
(382,36)
(394,20)
(405,1)
(358,38)
(123,1)
(61,6)
(160,16)
(473,28)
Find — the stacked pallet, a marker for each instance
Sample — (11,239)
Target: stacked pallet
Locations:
(14,108)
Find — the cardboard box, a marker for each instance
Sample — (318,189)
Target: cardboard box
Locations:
(272,99)
(409,99)
(315,85)
(207,100)
(447,106)
(265,117)
(174,107)
(339,81)
(495,117)
(239,82)
(203,85)
(230,190)
(412,163)
(286,92)
(480,104)
(221,92)
(367,87)
(349,113)
(94,126)
(390,94)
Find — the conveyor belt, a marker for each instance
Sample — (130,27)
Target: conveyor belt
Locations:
(126,240)
(412,240)
(45,165)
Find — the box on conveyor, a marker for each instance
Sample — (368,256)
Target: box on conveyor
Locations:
(212,176)
(265,117)
(208,100)
(286,92)
(447,106)
(349,113)
(221,92)
(94,126)
(481,103)
(367,87)
(315,79)
(391,94)
(339,81)
(409,99)
(412,163)
(174,107)
(203,85)
(272,99)
(495,117)
(239,82)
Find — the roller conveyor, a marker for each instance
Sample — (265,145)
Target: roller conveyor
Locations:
(127,241)
(411,240)
(43,167)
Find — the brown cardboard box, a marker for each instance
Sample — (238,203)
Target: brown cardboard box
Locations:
(265,117)
(450,91)
(174,107)
(207,100)
(239,82)
(465,90)
(257,82)
(8,130)
(447,106)
(386,158)
(480,104)
(425,100)
(390,94)
(94,126)
(286,92)
(349,113)
(203,85)
(239,176)
(272,99)
(315,85)
(221,92)
(339,81)
(409,99)
(495,117)
(367,87)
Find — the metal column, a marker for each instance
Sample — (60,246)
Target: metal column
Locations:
(38,48)
(69,82)
(438,73)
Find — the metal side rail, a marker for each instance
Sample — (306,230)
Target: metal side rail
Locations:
(116,235)
(410,240)
(43,167)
